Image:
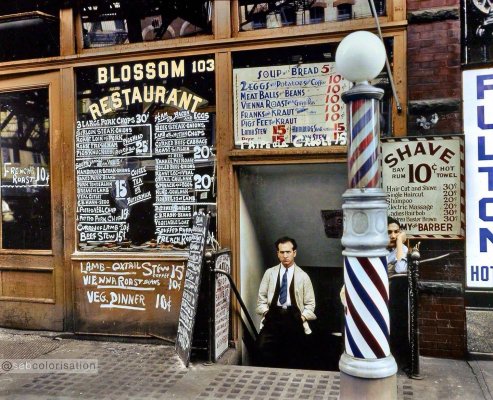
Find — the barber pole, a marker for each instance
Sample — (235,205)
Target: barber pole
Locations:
(365,240)
(368,370)
(365,277)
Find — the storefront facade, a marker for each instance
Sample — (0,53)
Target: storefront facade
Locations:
(123,122)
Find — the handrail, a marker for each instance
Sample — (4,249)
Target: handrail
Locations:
(240,300)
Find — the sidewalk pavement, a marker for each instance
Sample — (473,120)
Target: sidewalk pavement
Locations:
(152,371)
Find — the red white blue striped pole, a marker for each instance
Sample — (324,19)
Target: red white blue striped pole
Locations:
(366,363)
(363,162)
(365,231)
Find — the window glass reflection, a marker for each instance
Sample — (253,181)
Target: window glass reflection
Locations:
(25,169)
(29,29)
(145,153)
(108,23)
(278,13)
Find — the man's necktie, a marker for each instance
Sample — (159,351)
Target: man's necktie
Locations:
(283,293)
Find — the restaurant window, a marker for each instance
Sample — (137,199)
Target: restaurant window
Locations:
(29,29)
(279,13)
(145,153)
(25,169)
(291,97)
(108,23)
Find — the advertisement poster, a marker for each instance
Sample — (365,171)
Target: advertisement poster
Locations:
(289,106)
(423,178)
(478,130)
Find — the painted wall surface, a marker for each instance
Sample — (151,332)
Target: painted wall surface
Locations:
(251,259)
(251,266)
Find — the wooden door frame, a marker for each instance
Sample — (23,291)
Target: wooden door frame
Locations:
(43,260)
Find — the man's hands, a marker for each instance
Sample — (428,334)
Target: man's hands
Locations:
(402,237)
(399,245)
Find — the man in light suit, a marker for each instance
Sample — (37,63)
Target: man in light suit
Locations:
(286,302)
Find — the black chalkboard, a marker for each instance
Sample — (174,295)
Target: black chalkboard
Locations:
(145,165)
(191,288)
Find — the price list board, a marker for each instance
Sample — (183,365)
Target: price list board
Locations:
(181,182)
(113,141)
(144,168)
(189,304)
(424,180)
(97,219)
(289,106)
(145,178)
(222,302)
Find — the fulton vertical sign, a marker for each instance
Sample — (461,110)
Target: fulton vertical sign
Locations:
(478,131)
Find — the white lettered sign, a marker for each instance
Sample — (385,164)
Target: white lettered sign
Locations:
(289,106)
(478,130)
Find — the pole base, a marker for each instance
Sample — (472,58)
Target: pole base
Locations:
(354,388)
(372,368)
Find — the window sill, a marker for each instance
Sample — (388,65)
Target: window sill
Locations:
(332,153)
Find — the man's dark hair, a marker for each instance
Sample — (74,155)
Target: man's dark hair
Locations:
(286,239)
(391,220)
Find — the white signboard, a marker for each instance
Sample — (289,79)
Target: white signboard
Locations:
(221,305)
(478,130)
(295,105)
(423,177)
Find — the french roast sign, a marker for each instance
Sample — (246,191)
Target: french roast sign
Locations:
(424,180)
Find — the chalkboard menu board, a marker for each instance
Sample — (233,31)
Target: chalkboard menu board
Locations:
(222,300)
(191,287)
(145,153)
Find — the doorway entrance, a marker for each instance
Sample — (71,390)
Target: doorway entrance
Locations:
(294,200)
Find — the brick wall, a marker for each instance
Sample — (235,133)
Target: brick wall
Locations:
(442,326)
(413,5)
(433,68)
(441,314)
(434,60)
(434,107)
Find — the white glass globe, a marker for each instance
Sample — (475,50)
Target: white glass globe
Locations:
(360,56)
